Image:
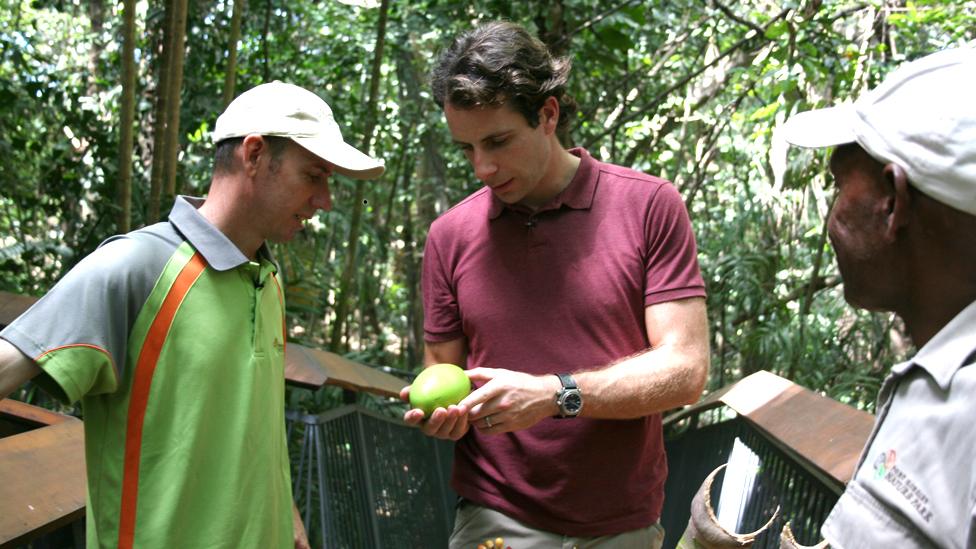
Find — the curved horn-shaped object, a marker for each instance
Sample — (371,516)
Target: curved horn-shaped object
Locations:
(704,531)
(787,541)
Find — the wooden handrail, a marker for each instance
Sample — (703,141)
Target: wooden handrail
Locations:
(33,416)
(313,368)
(42,474)
(822,435)
(12,305)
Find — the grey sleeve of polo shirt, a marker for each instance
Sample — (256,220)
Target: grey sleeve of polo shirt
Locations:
(91,311)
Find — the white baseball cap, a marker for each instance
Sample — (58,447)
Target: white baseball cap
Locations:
(922,117)
(286,110)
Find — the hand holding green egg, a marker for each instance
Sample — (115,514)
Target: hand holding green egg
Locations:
(439,386)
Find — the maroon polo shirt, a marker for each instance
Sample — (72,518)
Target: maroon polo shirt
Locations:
(560,290)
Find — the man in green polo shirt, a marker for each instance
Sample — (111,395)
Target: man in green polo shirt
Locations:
(173,337)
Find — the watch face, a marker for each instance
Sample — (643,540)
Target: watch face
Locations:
(572,403)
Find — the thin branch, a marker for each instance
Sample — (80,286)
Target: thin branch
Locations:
(623,119)
(712,139)
(817,263)
(817,284)
(731,15)
(600,17)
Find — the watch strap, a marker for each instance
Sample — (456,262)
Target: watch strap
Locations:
(567,381)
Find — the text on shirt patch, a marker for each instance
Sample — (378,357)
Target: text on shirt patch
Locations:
(885,468)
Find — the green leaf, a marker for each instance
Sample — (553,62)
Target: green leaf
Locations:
(778,29)
(764,112)
(616,39)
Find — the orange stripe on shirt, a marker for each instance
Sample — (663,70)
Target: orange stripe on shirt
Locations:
(139,398)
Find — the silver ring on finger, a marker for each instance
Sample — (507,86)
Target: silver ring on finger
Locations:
(488,421)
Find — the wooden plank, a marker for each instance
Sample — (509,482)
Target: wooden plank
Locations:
(12,305)
(828,434)
(313,368)
(42,481)
(29,414)
(302,368)
(821,433)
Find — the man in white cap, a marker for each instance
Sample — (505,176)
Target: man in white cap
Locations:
(172,337)
(903,226)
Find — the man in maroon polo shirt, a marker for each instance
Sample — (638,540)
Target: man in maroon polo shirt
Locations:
(571,290)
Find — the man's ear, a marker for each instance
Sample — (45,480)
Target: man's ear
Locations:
(549,114)
(899,199)
(253,147)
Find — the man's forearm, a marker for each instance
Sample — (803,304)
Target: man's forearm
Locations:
(651,382)
(670,374)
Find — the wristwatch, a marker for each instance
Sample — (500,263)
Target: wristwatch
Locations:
(569,399)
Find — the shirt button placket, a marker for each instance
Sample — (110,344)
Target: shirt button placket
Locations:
(532,228)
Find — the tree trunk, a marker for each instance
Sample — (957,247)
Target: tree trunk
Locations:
(264,41)
(345,283)
(177,44)
(124,189)
(415,314)
(96,14)
(161,118)
(230,76)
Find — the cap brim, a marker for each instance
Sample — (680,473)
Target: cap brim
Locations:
(348,160)
(821,128)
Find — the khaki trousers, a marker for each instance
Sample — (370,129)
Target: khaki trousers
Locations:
(474,525)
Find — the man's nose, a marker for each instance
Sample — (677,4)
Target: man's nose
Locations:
(322,200)
(484,165)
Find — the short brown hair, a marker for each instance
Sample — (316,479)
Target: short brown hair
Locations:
(499,63)
(224,152)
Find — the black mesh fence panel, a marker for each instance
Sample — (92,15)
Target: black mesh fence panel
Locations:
(803,499)
(366,481)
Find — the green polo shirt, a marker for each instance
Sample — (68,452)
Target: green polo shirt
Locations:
(173,341)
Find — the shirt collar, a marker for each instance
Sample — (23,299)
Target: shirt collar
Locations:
(948,351)
(578,195)
(219,251)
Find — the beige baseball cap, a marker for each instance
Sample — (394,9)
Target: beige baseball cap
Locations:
(286,110)
(921,117)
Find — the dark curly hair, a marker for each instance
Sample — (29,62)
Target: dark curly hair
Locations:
(499,63)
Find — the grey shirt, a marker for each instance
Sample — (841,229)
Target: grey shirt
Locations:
(914,485)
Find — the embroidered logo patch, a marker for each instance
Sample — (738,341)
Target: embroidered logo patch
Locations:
(884,463)
(886,469)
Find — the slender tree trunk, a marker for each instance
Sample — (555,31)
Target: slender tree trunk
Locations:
(345,283)
(230,76)
(72,206)
(161,118)
(124,194)
(173,100)
(415,313)
(264,41)
(96,14)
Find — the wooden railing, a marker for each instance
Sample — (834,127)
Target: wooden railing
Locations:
(819,433)
(42,473)
(809,445)
(42,470)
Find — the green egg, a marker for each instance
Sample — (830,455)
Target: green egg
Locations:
(439,386)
